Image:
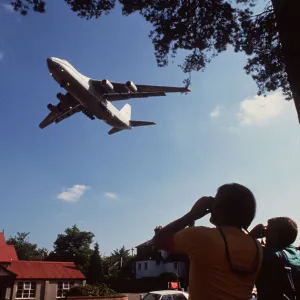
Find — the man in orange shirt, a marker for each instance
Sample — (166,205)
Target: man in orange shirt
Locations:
(224,261)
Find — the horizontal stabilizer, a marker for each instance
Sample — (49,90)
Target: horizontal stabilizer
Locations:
(141,123)
(114,130)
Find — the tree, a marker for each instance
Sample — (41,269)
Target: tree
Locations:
(118,264)
(95,272)
(25,249)
(205,28)
(119,261)
(120,256)
(73,246)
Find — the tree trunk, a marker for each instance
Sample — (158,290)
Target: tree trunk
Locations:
(287,14)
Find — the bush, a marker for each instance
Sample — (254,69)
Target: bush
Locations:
(169,276)
(100,289)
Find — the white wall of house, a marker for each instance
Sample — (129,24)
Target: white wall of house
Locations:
(149,268)
(178,268)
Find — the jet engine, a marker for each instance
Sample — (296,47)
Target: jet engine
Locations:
(131,86)
(52,108)
(107,85)
(59,96)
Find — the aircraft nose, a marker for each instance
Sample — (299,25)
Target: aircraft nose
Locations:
(49,61)
(51,64)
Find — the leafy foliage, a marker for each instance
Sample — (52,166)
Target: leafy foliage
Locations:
(203,29)
(89,9)
(118,263)
(25,249)
(259,38)
(91,290)
(120,255)
(73,246)
(24,5)
(95,272)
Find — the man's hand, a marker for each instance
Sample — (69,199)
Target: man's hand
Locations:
(201,208)
(164,238)
(258,231)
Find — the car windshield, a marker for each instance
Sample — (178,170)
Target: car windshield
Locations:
(152,296)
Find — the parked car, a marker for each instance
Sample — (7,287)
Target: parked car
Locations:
(166,295)
(176,295)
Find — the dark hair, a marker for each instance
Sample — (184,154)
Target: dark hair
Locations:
(237,203)
(286,229)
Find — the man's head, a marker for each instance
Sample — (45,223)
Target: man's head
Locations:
(280,233)
(234,205)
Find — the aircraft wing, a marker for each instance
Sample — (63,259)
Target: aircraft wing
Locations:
(54,117)
(121,92)
(124,96)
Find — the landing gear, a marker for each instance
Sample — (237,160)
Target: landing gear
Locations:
(88,114)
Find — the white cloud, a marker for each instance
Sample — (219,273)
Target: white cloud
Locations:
(8,7)
(259,110)
(111,196)
(233,130)
(1,55)
(73,193)
(216,112)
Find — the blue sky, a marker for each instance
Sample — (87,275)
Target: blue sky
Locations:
(120,187)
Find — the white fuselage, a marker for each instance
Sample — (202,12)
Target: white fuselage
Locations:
(79,87)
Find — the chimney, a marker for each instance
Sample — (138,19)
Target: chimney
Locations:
(157,228)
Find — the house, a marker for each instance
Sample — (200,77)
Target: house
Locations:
(40,280)
(151,262)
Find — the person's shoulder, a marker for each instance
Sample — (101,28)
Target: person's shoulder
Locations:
(188,240)
(203,229)
(292,255)
(197,231)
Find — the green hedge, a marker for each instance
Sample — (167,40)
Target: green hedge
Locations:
(100,289)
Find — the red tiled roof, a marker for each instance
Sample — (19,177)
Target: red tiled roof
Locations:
(145,244)
(8,253)
(45,270)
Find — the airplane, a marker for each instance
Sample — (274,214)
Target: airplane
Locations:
(94,97)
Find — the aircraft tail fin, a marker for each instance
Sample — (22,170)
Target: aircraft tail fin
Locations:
(126,110)
(141,123)
(114,130)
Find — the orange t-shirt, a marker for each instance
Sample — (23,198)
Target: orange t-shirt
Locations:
(210,274)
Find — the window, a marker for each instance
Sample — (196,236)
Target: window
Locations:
(166,297)
(146,266)
(26,290)
(152,296)
(62,288)
(176,266)
(139,266)
(179,297)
